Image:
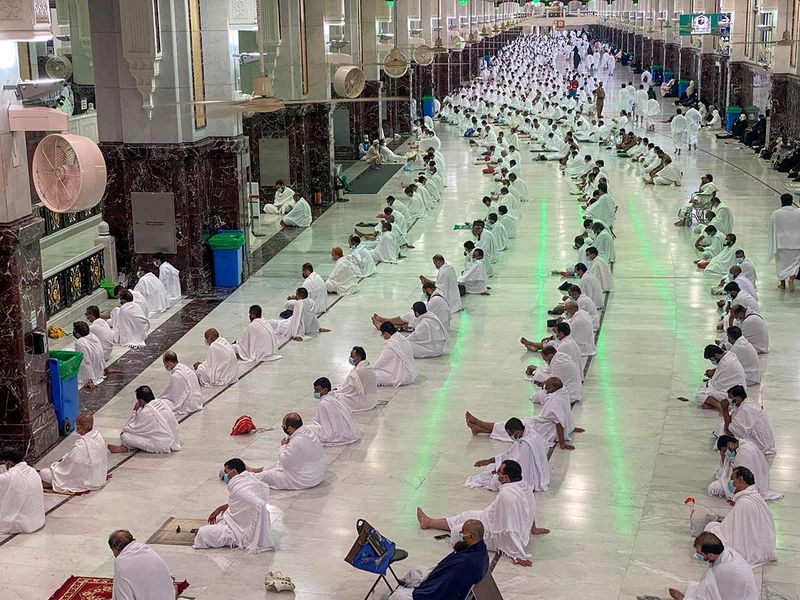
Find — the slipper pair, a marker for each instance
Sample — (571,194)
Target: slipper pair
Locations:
(275,581)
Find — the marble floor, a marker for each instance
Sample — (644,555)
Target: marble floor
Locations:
(615,505)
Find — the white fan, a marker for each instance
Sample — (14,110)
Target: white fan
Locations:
(69,173)
(423,55)
(58,67)
(395,64)
(349,81)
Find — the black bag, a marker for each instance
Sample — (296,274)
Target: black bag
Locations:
(287,314)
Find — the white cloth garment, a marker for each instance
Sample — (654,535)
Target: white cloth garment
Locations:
(605,246)
(604,209)
(429,337)
(582,331)
(473,278)
(729,577)
(569,347)
(507,521)
(258,342)
(283,202)
(153,428)
(437,304)
(21,500)
(783,239)
(93,365)
(678,128)
(754,328)
(182,392)
(587,305)
(105,334)
(555,411)
(317,292)
(83,468)
(301,463)
(749,528)
(299,215)
(343,280)
(385,248)
(130,325)
(141,574)
(562,366)
(530,451)
(302,322)
(729,372)
(362,258)
(447,285)
(600,268)
(750,422)
(170,277)
(395,366)
(154,293)
(750,457)
(590,287)
(748,358)
(245,523)
(219,367)
(334,424)
(360,388)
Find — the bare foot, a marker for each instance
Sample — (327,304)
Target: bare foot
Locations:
(524,341)
(791,284)
(473,427)
(298,338)
(523,562)
(324,330)
(400,257)
(110,370)
(539,531)
(424,520)
(578,430)
(410,246)
(469,417)
(90,385)
(118,449)
(782,285)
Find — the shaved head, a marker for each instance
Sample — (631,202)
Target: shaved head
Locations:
(211,335)
(170,357)
(474,527)
(84,423)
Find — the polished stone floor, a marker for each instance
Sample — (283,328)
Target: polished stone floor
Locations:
(615,505)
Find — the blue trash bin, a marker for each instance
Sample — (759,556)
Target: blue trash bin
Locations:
(63,367)
(731,116)
(428,105)
(227,248)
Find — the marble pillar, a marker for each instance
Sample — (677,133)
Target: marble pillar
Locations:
(441,80)
(741,84)
(364,116)
(638,49)
(398,114)
(785,105)
(690,64)
(713,79)
(454,73)
(658,52)
(672,59)
(647,52)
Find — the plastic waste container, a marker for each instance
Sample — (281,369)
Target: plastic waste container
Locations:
(731,115)
(227,247)
(658,74)
(63,367)
(682,85)
(428,106)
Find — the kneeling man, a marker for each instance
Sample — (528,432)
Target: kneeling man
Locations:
(85,467)
(152,426)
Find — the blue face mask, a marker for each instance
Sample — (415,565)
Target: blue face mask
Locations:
(352,361)
(225,479)
(731,488)
(699,557)
(460,537)
(730,454)
(739,261)
(317,395)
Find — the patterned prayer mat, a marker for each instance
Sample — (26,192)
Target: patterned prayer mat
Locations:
(169,535)
(84,588)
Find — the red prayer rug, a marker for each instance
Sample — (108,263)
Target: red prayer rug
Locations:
(84,588)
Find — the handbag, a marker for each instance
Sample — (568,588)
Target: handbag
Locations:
(371,551)
(286,314)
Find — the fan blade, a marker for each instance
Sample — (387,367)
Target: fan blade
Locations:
(349,100)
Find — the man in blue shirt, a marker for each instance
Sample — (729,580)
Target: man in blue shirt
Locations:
(453,577)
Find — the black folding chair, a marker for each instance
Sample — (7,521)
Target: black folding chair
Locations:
(399,555)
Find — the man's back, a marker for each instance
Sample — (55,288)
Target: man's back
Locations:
(141,574)
(452,578)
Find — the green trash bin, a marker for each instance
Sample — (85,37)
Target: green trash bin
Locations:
(752,110)
(63,367)
(227,248)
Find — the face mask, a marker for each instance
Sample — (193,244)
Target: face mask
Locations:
(460,537)
(731,487)
(353,247)
(739,261)
(333,259)
(699,557)
(285,431)
(352,361)
(317,395)
(167,369)
(730,454)
(225,478)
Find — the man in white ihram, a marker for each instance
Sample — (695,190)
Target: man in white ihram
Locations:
(581,328)
(678,127)
(152,426)
(244,522)
(101,328)
(283,201)
(509,520)
(258,342)
(92,371)
(343,280)
(85,467)
(558,364)
(219,367)
(740,453)
(727,373)
(169,276)
(315,285)
(303,318)
(446,282)
(182,392)
(429,337)
(21,495)
(129,322)
(728,576)
(395,366)
(360,388)
(153,290)
(301,462)
(139,573)
(783,239)
(299,215)
(333,423)
(746,420)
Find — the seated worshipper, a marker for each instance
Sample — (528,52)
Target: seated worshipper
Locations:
(507,221)
(723,216)
(395,365)
(301,462)
(457,572)
(527,448)
(749,527)
(498,230)
(343,280)
(360,388)
(604,209)
(361,257)
(698,200)
(152,426)
(429,337)
(590,286)
(315,285)
(753,327)
(727,373)
(93,366)
(383,247)
(100,327)
(710,243)
(604,243)
(373,155)
(561,340)
(21,495)
(154,292)
(446,283)
(723,261)
(138,297)
(219,367)
(169,276)
(728,576)
(302,319)
(283,201)
(553,423)
(258,342)
(129,322)
(435,304)
(747,421)
(747,355)
(139,573)
(561,365)
(599,267)
(740,453)
(244,522)
(182,392)
(85,467)
(669,174)
(510,519)
(333,424)
(584,303)
(300,215)
(473,277)
(581,328)
(740,297)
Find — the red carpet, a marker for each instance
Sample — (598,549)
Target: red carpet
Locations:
(84,588)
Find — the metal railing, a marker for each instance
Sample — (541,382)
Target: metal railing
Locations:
(66,284)
(54,222)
